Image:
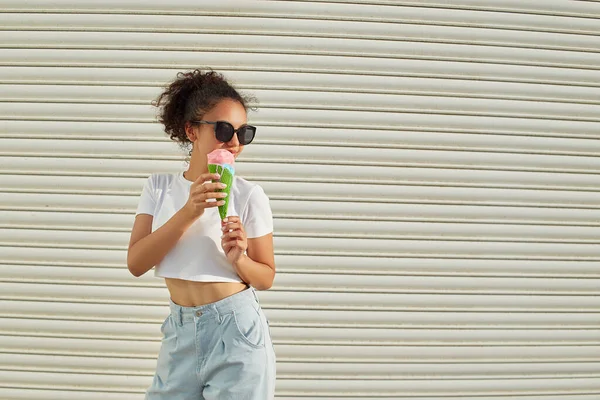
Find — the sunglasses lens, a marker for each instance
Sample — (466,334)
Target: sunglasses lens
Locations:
(223,131)
(246,134)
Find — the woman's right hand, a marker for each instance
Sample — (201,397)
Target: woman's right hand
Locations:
(202,190)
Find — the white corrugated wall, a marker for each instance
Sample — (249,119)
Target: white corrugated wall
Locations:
(433,168)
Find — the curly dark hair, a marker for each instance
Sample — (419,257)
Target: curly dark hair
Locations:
(190,96)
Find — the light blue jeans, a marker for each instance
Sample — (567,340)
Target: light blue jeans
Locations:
(221,350)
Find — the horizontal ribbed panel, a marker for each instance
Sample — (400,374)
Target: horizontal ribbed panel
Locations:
(315,118)
(325,387)
(326,300)
(433,172)
(527,14)
(310,100)
(325,370)
(95,394)
(280,316)
(271,44)
(327,282)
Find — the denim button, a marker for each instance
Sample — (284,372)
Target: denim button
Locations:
(198,313)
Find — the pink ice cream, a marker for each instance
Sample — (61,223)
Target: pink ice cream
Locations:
(221,156)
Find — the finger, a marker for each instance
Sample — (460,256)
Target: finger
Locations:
(231,244)
(207,177)
(208,204)
(214,185)
(209,195)
(232,218)
(233,235)
(209,187)
(232,227)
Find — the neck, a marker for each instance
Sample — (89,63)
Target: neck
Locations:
(198,166)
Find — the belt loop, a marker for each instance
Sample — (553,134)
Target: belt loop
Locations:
(255,295)
(180,315)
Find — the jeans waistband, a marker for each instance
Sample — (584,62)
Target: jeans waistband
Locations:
(214,310)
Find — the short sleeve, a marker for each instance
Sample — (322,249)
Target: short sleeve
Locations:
(257,217)
(147,202)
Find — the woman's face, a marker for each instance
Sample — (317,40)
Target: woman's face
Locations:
(205,140)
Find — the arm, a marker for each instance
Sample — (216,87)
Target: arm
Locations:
(147,248)
(257,266)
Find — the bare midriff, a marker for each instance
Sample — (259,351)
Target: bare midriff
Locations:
(191,294)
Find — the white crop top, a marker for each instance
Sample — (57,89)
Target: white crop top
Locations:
(198,255)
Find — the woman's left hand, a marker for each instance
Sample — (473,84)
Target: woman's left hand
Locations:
(234,241)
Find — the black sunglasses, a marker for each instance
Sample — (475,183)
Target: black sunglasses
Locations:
(224,131)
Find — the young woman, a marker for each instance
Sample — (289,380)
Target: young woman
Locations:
(216,342)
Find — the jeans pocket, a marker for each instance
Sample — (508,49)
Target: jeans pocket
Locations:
(164,364)
(249,327)
(165,326)
(162,327)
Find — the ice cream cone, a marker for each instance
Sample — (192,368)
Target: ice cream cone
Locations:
(222,162)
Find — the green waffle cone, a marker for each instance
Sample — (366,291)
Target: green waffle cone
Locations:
(226,178)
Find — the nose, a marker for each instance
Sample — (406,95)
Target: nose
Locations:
(234,142)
